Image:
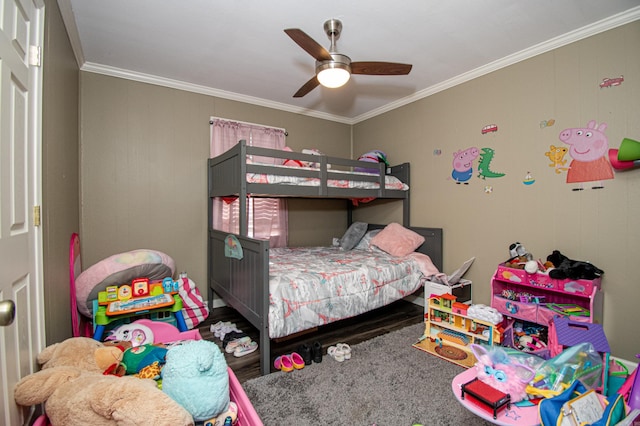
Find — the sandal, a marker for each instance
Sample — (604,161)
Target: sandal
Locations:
(336,353)
(297,361)
(245,349)
(283,363)
(346,349)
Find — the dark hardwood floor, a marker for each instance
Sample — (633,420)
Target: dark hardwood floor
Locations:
(351,331)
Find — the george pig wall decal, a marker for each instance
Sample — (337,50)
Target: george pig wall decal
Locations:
(588,147)
(463,164)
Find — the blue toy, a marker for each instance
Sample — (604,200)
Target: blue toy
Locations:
(195,376)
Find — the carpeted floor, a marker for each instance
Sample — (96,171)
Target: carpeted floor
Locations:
(387,382)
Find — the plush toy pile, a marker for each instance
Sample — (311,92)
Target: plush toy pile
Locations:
(75,391)
(558,266)
(80,384)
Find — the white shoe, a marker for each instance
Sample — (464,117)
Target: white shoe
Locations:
(346,350)
(245,349)
(336,353)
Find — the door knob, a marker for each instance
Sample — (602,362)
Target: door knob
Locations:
(7,312)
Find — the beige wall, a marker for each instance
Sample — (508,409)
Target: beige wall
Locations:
(60,183)
(595,225)
(144,176)
(143,165)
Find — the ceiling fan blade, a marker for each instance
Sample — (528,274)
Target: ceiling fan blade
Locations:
(307,87)
(380,68)
(308,44)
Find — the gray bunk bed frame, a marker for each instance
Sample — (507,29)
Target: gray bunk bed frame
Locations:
(243,284)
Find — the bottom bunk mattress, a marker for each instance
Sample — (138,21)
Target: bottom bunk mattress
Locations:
(312,286)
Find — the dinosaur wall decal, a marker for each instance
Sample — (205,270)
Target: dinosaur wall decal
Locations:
(484,171)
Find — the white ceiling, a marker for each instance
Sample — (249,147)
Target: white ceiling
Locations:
(237,49)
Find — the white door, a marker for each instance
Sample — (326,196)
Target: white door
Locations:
(22,23)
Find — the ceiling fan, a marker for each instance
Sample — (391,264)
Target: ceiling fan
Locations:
(334,69)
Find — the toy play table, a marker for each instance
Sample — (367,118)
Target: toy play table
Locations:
(514,415)
(102,318)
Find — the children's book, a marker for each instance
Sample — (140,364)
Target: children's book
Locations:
(585,409)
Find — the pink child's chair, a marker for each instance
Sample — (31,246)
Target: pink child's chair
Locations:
(81,326)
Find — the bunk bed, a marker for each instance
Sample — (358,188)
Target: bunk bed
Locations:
(244,282)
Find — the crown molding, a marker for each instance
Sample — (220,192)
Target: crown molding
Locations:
(609,23)
(612,22)
(204,90)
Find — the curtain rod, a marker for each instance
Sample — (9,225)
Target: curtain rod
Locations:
(211,119)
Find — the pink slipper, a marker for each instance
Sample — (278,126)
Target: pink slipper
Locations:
(297,361)
(284,363)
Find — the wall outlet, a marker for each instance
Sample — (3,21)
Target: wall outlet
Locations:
(336,242)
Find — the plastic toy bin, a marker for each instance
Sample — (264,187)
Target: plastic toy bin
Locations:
(247,415)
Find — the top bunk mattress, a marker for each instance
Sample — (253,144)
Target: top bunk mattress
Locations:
(312,286)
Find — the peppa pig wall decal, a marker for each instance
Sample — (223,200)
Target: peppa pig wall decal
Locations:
(588,147)
(463,164)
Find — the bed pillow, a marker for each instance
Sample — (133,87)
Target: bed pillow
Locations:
(120,269)
(353,235)
(397,240)
(365,242)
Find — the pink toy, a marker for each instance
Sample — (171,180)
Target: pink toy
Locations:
(589,148)
(498,370)
(136,333)
(144,331)
(167,333)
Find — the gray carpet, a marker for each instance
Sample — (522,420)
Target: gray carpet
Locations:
(385,383)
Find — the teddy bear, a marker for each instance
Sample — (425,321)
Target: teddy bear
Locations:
(75,391)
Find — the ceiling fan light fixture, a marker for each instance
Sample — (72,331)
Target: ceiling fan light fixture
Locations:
(333,74)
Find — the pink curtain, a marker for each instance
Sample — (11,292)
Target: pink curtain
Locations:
(267,217)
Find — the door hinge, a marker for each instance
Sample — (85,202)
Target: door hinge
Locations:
(35,56)
(36,215)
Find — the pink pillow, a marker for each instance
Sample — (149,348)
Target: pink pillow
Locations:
(397,240)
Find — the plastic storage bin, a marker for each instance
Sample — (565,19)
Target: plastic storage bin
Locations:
(247,415)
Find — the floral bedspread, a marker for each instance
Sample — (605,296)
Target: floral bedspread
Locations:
(311,286)
(390,182)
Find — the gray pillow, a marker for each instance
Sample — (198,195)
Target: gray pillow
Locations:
(353,235)
(365,242)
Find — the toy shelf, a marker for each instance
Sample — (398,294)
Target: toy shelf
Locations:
(585,295)
(537,298)
(449,331)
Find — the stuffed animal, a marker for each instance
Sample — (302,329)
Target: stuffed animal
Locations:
(196,376)
(375,156)
(75,391)
(572,269)
(500,371)
(136,358)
